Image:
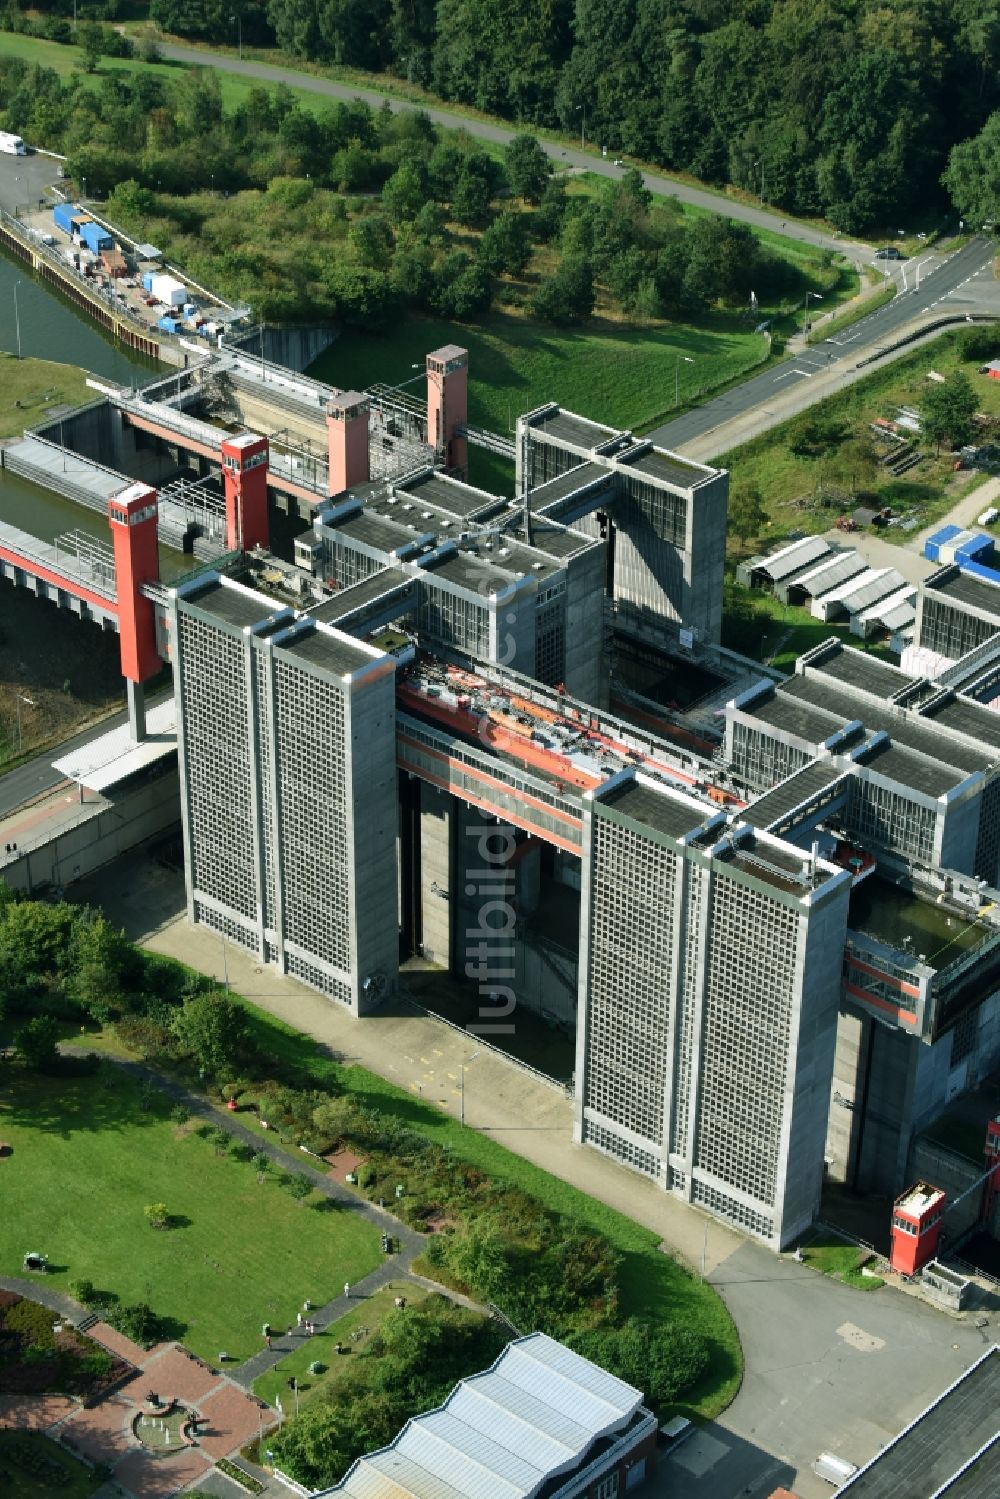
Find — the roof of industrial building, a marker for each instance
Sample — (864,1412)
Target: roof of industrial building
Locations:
(800,787)
(866,672)
(967,717)
(556,540)
(503,1434)
(359,594)
(964,588)
(451,495)
(333,652)
(374,530)
(574,479)
(468,571)
(669,468)
(791,558)
(661,810)
(578,430)
(959,1431)
(230,602)
(830,572)
(915,733)
(805,721)
(918,772)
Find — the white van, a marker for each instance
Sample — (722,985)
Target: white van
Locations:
(12,145)
(675,1431)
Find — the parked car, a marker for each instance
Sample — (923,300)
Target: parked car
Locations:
(889,252)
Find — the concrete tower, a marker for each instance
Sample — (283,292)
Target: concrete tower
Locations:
(244,472)
(132,518)
(448,405)
(347,440)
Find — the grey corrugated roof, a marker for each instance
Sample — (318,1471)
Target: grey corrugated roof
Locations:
(790,558)
(830,572)
(802,786)
(661,810)
(965,588)
(934,1448)
(857,669)
(503,1434)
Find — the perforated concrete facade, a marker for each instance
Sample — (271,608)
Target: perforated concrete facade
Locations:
(710,980)
(286,738)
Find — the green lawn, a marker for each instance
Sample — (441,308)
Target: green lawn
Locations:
(322,1348)
(33,1467)
(622,376)
(87,1159)
(832,1256)
(30,387)
(758,625)
(654,1286)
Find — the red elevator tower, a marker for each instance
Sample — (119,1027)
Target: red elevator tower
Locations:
(244,473)
(132,518)
(916,1227)
(347,441)
(448,405)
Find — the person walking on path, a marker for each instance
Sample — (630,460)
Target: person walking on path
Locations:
(298,1319)
(347,1288)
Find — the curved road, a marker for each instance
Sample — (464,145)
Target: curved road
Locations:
(760,218)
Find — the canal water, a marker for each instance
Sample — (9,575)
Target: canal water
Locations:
(52,328)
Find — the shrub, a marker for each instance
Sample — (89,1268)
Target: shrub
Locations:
(157,1215)
(35,1043)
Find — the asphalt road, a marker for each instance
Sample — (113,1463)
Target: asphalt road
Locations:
(35,776)
(760,218)
(864,337)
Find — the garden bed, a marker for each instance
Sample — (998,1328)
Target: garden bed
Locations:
(36,1360)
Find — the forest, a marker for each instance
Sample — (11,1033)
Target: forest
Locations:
(353,214)
(842,108)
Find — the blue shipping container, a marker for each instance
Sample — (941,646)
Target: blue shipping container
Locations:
(96,238)
(168,324)
(147,280)
(62,216)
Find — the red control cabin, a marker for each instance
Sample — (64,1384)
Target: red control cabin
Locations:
(916,1227)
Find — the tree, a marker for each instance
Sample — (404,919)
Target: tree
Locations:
(103,963)
(504,247)
(567,296)
(406,191)
(947,410)
(218,1138)
(528,167)
(261,1164)
(747,516)
(157,1215)
(373,241)
(664,1362)
(473,192)
(92,43)
(35,1043)
(213,1030)
(299,1186)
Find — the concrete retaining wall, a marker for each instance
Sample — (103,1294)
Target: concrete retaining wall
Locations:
(954,1174)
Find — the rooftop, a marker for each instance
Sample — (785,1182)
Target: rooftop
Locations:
(577,430)
(857,669)
(801,787)
(324,647)
(918,772)
(669,468)
(346,600)
(467,570)
(508,1433)
(952,1445)
(917,734)
(975,593)
(656,809)
(569,483)
(231,603)
(450,495)
(967,717)
(375,531)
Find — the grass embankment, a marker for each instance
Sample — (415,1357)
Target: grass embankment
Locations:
(29,388)
(623,376)
(91,1152)
(830,450)
(841,1261)
(33,1467)
(654,1287)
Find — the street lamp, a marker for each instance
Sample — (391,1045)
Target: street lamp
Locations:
(239,31)
(31,704)
(581,110)
(805,308)
(760,164)
(463,1066)
(17,320)
(681,359)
